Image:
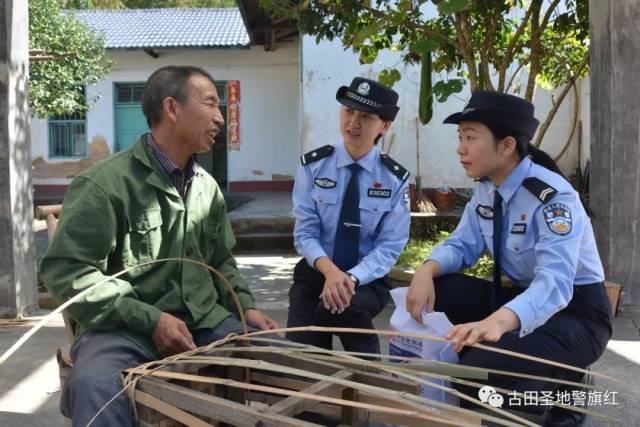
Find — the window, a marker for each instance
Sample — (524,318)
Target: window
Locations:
(221,87)
(67,136)
(129,93)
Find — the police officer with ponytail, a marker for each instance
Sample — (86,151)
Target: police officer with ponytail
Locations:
(351,205)
(531,220)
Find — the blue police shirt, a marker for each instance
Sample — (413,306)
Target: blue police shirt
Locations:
(547,243)
(318,193)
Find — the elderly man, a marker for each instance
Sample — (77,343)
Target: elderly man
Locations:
(146,203)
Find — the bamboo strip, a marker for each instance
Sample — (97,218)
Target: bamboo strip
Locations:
(468,398)
(206,359)
(274,390)
(294,405)
(466,371)
(259,364)
(426,401)
(85,292)
(478,402)
(169,410)
(214,407)
(432,338)
(397,369)
(452,369)
(247,336)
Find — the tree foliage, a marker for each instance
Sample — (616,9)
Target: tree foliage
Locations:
(487,43)
(56,86)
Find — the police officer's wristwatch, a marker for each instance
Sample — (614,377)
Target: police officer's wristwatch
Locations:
(353,278)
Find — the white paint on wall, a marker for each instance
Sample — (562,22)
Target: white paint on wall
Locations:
(288,107)
(327,66)
(39,138)
(269,106)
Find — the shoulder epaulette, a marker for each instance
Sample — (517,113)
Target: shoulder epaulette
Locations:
(543,191)
(317,154)
(396,168)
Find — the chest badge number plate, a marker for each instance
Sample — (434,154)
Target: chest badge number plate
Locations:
(519,228)
(383,193)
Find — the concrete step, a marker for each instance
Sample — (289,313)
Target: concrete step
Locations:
(286,224)
(255,233)
(265,242)
(262,225)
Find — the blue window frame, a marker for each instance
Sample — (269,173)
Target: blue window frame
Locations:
(68,136)
(221,87)
(129,93)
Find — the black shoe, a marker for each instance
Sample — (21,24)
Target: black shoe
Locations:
(561,417)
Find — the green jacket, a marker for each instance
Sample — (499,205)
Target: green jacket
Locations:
(123,211)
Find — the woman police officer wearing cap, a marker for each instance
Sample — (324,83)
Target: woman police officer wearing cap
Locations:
(526,214)
(351,207)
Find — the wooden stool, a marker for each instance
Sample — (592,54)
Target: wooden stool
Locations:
(614,291)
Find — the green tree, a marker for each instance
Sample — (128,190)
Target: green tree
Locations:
(487,43)
(76,60)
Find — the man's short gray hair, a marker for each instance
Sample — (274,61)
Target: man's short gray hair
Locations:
(170,81)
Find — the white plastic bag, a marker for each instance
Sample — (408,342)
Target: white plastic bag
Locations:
(436,324)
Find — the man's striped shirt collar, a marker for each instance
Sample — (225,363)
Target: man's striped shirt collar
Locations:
(180,179)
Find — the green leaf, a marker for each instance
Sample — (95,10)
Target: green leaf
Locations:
(442,90)
(368,54)
(389,76)
(426,45)
(448,7)
(57,87)
(365,33)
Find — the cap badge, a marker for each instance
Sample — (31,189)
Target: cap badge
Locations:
(363,89)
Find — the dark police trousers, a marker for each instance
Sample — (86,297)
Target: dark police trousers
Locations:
(306,309)
(576,335)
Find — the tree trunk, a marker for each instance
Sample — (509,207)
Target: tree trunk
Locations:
(615,139)
(18,291)
(556,103)
(534,63)
(465,45)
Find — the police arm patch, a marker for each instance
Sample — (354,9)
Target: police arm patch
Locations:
(558,218)
(406,201)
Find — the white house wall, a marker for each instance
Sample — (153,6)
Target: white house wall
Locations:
(326,66)
(269,109)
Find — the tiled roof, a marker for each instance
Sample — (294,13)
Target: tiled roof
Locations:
(156,28)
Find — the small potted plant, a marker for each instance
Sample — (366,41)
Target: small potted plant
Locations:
(444,198)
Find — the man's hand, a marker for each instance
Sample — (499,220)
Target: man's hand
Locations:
(259,320)
(490,329)
(172,336)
